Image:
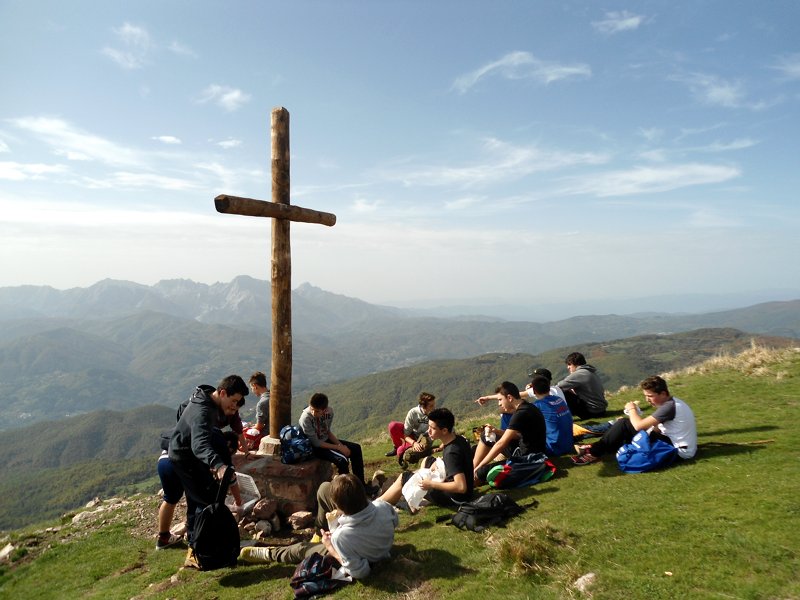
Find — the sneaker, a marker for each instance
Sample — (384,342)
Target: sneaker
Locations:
(581,449)
(584,459)
(191,560)
(162,543)
(401,461)
(392,452)
(256,554)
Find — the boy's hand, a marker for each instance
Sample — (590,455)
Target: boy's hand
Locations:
(344,450)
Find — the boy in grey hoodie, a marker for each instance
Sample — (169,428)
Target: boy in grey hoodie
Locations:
(583,389)
(363,536)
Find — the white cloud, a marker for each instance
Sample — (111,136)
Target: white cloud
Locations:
(716,91)
(127,180)
(788,66)
(706,218)
(136,47)
(649,180)
(14,171)
(4,147)
(228,98)
(654,155)
(167,139)
(522,65)
(365,206)
(462,203)
(651,134)
(738,144)
(502,162)
(616,22)
(230,143)
(181,49)
(67,140)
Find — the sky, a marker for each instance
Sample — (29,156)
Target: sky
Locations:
(472,152)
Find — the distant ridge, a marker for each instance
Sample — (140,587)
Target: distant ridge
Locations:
(119,344)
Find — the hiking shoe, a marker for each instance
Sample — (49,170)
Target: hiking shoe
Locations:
(584,459)
(168,542)
(191,560)
(256,554)
(392,452)
(400,461)
(581,449)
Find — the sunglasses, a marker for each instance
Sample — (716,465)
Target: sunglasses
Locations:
(240,403)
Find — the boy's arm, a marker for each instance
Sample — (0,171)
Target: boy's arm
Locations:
(457,486)
(498,448)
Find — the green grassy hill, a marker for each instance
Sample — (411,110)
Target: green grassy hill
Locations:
(723,525)
(59,465)
(364,405)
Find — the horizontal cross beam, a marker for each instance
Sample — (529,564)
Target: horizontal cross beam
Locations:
(262,208)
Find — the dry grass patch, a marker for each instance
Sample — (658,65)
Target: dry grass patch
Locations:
(758,360)
(540,551)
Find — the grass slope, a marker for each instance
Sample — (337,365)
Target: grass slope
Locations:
(720,526)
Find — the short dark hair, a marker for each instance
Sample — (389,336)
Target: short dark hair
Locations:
(348,494)
(655,384)
(259,379)
(426,397)
(443,418)
(318,400)
(540,384)
(233,384)
(575,358)
(508,388)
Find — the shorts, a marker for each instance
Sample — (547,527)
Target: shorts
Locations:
(170,482)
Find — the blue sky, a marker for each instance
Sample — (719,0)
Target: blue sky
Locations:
(472,151)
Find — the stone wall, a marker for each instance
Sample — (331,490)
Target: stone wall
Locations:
(294,487)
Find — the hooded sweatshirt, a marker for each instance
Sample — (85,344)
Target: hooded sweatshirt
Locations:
(191,439)
(587,385)
(365,537)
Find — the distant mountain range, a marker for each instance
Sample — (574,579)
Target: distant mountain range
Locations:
(119,345)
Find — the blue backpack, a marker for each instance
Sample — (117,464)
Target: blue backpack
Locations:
(295,446)
(644,454)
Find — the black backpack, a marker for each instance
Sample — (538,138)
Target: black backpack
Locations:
(216,533)
(487,510)
(314,576)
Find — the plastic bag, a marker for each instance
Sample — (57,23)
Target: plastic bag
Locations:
(412,492)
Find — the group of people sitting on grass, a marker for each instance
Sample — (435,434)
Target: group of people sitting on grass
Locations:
(355,519)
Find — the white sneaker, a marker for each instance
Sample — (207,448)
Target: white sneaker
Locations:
(256,554)
(173,539)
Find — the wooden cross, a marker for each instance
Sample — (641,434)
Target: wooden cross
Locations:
(282,213)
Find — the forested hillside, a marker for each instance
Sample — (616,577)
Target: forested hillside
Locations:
(120,345)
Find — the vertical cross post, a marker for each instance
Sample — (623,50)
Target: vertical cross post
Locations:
(280,409)
(282,214)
